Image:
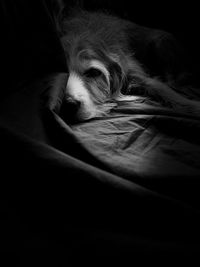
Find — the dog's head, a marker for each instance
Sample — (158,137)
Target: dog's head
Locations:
(99,64)
(94,61)
(95,78)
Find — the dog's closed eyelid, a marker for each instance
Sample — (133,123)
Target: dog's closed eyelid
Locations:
(93,73)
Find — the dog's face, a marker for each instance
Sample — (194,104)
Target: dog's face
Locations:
(99,64)
(95,77)
(88,87)
(103,66)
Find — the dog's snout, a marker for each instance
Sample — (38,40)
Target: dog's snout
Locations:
(72,104)
(69,109)
(72,101)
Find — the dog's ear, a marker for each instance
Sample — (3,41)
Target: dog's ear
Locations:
(133,84)
(116,74)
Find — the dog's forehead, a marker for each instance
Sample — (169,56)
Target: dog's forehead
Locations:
(85,58)
(85,52)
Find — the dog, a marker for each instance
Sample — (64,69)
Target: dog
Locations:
(105,56)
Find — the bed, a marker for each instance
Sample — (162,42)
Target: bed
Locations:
(110,191)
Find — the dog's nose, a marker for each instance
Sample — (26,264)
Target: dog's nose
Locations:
(69,109)
(72,104)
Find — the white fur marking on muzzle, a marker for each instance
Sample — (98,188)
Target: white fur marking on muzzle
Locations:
(77,91)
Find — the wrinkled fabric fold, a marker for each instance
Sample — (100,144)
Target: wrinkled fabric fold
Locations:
(109,191)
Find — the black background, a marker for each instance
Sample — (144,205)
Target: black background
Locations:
(181,18)
(23,57)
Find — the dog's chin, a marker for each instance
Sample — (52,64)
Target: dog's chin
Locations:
(71,116)
(84,114)
(101,111)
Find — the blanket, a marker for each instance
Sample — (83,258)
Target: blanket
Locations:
(110,191)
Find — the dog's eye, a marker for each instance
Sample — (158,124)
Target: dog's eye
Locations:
(92,73)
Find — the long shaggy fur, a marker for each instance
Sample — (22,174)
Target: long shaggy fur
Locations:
(102,53)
